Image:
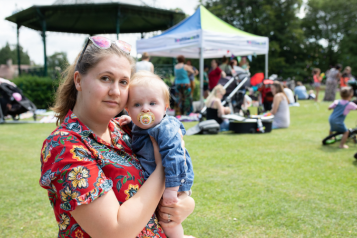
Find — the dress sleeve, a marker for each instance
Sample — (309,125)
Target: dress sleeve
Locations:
(72,173)
(173,155)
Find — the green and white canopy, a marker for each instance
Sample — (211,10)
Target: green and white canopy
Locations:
(203,35)
(204,30)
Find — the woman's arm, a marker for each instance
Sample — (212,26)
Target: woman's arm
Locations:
(276,102)
(105,218)
(189,69)
(152,68)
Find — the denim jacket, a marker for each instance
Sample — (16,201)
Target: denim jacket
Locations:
(178,171)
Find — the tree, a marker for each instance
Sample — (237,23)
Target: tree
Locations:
(331,31)
(7,53)
(276,19)
(57,61)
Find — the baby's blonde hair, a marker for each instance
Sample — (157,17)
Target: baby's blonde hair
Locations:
(146,78)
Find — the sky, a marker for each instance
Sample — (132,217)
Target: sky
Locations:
(31,40)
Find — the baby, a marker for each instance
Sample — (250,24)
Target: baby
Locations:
(340,110)
(148,100)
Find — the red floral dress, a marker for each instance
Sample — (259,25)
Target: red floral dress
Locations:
(78,167)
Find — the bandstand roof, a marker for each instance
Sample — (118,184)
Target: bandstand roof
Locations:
(97,17)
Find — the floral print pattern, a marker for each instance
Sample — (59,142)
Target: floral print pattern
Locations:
(77,167)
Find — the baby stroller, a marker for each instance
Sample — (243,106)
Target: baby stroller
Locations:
(13,102)
(235,87)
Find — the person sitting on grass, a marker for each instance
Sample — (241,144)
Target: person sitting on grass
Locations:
(340,110)
(280,108)
(300,91)
(215,109)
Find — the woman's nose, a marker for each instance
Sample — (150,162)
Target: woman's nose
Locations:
(114,90)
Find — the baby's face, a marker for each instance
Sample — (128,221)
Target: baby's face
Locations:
(144,99)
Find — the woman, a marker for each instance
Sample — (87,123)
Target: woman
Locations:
(280,107)
(345,77)
(225,66)
(244,64)
(214,75)
(87,165)
(144,64)
(215,109)
(333,77)
(183,86)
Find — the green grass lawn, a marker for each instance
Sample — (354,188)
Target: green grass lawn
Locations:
(281,184)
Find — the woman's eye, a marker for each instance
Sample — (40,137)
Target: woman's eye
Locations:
(105,79)
(152,103)
(137,105)
(124,82)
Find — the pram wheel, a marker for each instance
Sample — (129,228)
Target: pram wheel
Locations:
(355,156)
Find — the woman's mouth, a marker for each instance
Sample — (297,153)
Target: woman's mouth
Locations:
(111,103)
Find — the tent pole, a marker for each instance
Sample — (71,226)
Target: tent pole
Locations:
(266,65)
(18,50)
(201,76)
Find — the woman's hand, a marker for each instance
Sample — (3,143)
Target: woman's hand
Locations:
(172,215)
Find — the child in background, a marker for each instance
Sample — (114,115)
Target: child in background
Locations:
(340,110)
(317,81)
(148,100)
(311,95)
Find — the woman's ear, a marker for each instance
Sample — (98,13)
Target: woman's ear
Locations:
(77,81)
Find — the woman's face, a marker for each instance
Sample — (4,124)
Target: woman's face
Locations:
(103,91)
(213,64)
(273,89)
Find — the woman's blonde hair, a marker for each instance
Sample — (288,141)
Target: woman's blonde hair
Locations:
(218,89)
(148,79)
(66,95)
(279,89)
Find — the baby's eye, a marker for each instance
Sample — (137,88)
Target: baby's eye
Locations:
(137,105)
(152,103)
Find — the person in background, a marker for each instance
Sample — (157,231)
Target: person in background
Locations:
(311,95)
(333,77)
(215,109)
(280,107)
(345,77)
(183,86)
(300,91)
(289,94)
(340,110)
(244,64)
(214,75)
(205,82)
(317,81)
(192,76)
(225,66)
(144,64)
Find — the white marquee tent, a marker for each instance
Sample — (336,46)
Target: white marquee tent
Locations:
(203,35)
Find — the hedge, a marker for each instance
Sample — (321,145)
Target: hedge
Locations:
(40,90)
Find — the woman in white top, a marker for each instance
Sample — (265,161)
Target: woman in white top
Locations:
(280,107)
(144,64)
(289,94)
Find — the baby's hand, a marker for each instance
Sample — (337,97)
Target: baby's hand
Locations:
(170,196)
(124,120)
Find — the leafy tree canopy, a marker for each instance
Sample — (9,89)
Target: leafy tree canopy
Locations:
(8,52)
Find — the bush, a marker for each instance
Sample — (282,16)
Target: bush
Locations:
(40,90)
